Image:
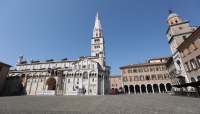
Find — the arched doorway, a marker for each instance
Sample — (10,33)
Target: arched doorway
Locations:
(162,88)
(20,89)
(137,88)
(131,89)
(155,88)
(51,82)
(143,88)
(149,88)
(168,86)
(126,89)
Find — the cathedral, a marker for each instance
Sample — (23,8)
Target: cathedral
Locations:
(89,75)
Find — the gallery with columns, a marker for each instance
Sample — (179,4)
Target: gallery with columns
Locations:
(89,75)
(149,77)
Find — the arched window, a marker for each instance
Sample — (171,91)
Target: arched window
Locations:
(85,75)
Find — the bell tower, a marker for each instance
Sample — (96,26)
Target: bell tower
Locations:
(177,31)
(97,41)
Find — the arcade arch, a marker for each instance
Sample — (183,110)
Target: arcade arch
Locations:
(51,83)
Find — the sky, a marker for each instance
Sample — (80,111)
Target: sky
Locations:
(134,30)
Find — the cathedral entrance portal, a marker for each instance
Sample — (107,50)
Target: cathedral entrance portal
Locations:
(51,82)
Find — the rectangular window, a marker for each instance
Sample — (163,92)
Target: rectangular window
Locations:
(68,80)
(188,50)
(140,70)
(77,79)
(77,82)
(146,70)
(193,64)
(152,69)
(124,72)
(129,71)
(134,70)
(84,66)
(164,68)
(158,69)
(125,79)
(130,78)
(182,54)
(184,37)
(136,78)
(187,66)
(79,67)
(160,76)
(198,60)
(92,79)
(116,84)
(0,68)
(92,66)
(166,76)
(88,66)
(194,45)
(112,85)
(75,66)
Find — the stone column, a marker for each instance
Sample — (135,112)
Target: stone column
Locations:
(146,90)
(88,84)
(128,89)
(159,89)
(152,89)
(140,89)
(103,84)
(165,89)
(134,89)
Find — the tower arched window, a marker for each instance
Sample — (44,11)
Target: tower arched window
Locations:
(176,21)
(85,75)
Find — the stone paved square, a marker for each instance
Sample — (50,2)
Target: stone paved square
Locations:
(108,104)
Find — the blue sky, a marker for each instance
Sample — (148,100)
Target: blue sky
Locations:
(134,30)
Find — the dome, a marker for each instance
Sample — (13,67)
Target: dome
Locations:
(172,15)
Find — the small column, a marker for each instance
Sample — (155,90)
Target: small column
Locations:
(128,89)
(165,89)
(159,89)
(140,89)
(152,89)
(146,90)
(135,89)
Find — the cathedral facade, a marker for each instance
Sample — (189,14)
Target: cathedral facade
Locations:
(88,75)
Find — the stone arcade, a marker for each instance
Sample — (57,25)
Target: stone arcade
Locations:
(88,75)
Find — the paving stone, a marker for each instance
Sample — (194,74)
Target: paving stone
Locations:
(108,104)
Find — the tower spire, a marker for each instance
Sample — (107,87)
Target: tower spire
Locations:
(97,22)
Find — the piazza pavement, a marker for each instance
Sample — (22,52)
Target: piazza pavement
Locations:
(108,104)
